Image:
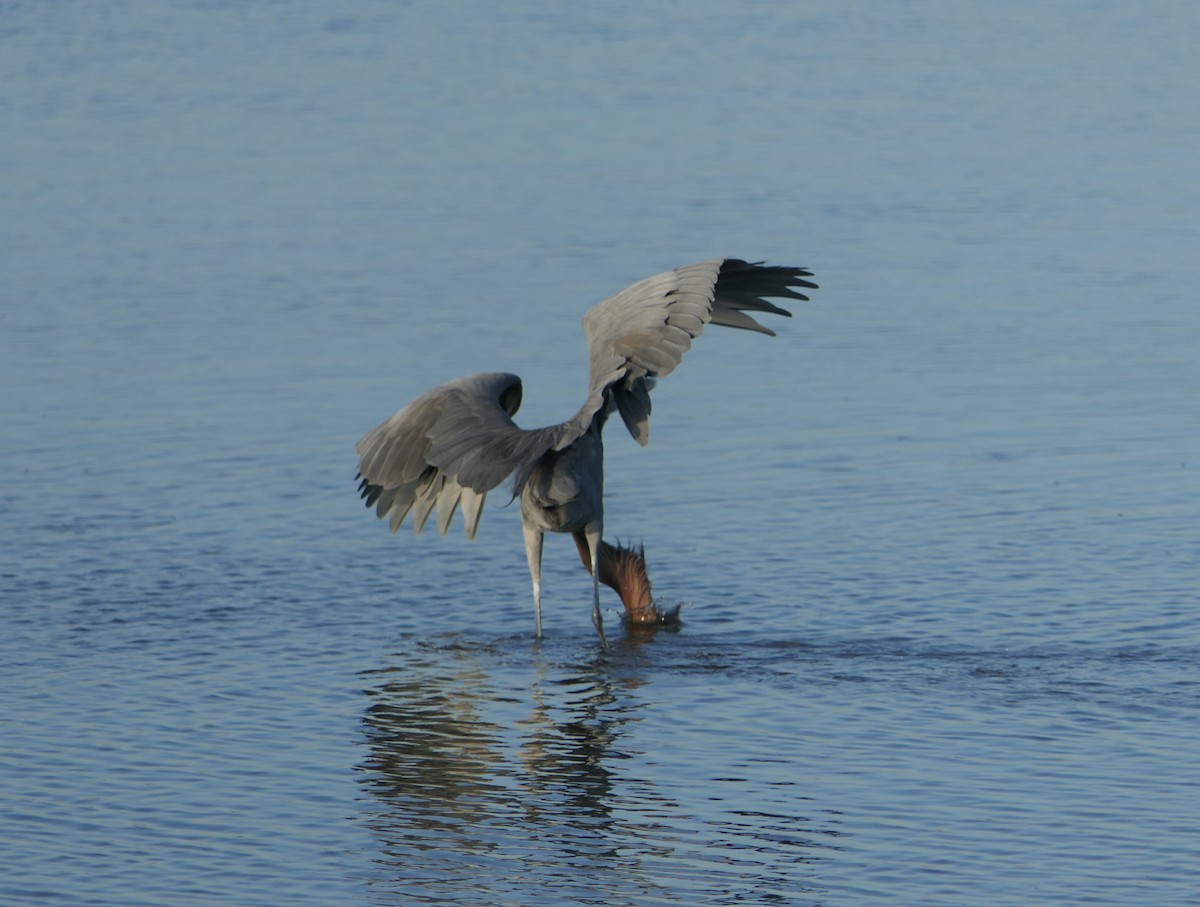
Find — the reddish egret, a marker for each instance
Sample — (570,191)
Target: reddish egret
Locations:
(452,445)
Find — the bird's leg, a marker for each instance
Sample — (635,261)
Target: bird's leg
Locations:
(592,532)
(533,553)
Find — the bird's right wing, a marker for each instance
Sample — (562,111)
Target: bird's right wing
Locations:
(641,333)
(450,446)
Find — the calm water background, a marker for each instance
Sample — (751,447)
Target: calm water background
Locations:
(939,540)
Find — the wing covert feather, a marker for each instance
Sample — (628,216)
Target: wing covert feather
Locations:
(450,446)
(643,332)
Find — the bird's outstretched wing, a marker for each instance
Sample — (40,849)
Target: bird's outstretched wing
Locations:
(448,448)
(642,332)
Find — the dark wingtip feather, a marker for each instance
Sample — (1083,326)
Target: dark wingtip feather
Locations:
(368,492)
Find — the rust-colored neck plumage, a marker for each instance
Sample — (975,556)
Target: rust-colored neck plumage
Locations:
(624,569)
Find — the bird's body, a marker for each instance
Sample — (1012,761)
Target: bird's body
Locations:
(451,446)
(565,492)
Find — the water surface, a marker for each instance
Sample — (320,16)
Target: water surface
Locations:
(937,540)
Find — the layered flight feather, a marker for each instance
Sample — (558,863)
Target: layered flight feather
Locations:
(451,446)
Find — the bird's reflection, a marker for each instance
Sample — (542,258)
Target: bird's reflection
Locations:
(494,767)
(432,750)
(467,757)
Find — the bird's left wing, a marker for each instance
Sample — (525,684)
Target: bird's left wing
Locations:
(449,447)
(642,332)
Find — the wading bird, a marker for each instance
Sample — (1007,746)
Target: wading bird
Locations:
(452,445)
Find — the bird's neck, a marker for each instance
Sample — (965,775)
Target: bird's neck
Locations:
(624,569)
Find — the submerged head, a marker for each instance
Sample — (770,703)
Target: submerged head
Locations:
(624,569)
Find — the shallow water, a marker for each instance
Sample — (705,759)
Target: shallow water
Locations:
(937,541)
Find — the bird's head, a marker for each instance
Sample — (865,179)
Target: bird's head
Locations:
(624,569)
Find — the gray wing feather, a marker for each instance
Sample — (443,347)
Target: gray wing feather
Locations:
(642,332)
(452,445)
(446,449)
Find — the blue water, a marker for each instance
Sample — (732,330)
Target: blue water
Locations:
(937,542)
